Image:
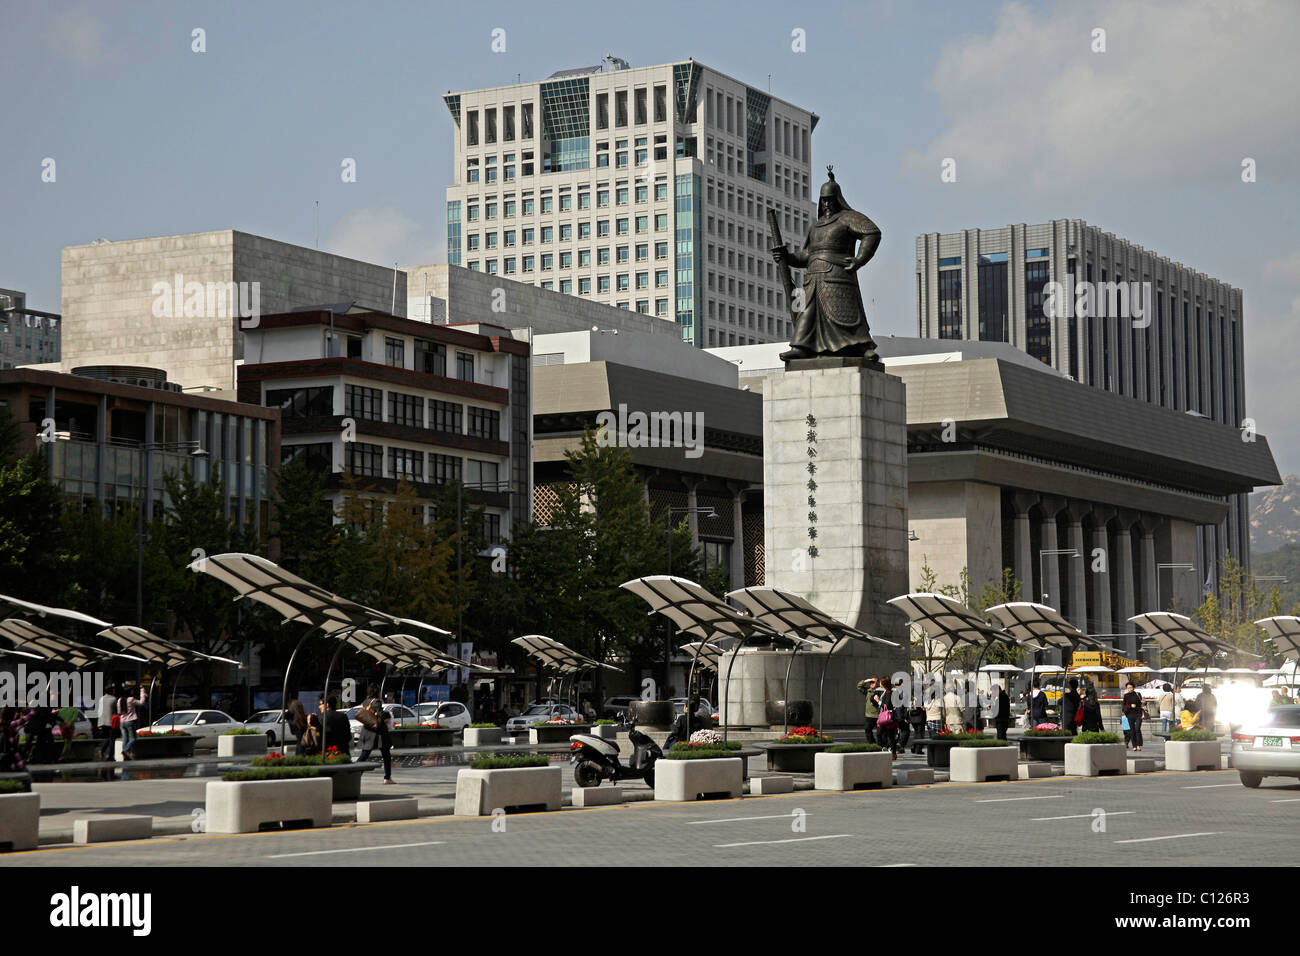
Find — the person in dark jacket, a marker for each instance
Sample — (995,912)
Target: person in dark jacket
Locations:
(1134,712)
(338,731)
(1070,702)
(1037,704)
(1002,713)
(1092,712)
(380,734)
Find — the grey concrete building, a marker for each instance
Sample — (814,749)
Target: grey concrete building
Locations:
(27,336)
(171,302)
(644,188)
(1181,350)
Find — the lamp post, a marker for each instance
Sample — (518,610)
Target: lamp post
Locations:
(1042,566)
(668,633)
(1189,568)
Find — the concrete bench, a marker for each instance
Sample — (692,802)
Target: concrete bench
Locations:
(596,796)
(245,806)
(376,811)
(1141,765)
(20,818)
(773,783)
(480,792)
(112,827)
(913,776)
(1034,770)
(853,771)
(710,778)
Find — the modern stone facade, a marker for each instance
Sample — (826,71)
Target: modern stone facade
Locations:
(113,292)
(644,188)
(1185,352)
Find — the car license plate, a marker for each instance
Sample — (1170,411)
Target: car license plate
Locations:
(1270,741)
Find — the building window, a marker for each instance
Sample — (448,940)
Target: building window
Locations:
(602,256)
(661,250)
(481,474)
(445,416)
(642,194)
(406,409)
(365,460)
(602,283)
(492,528)
(642,252)
(566,232)
(395,352)
(584,286)
(317,456)
(302,402)
(406,463)
(484,422)
(566,260)
(444,469)
(566,203)
(950,304)
(362,402)
(993,301)
(465,366)
(1038,329)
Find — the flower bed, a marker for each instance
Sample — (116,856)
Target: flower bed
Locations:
(983,742)
(508,763)
(854,749)
(556,732)
(271,773)
(805,735)
(795,752)
(1097,737)
(332,757)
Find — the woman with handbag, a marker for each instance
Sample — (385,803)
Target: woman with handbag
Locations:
(1092,712)
(374,729)
(887,716)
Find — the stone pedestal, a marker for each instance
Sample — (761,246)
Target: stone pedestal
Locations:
(854,451)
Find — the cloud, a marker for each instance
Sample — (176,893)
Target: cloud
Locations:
(78,35)
(1183,92)
(1285,269)
(385,235)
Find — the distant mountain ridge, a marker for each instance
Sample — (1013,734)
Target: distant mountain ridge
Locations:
(1275,516)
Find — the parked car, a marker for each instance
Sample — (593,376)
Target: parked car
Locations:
(1269,747)
(449,713)
(207,725)
(273,723)
(616,707)
(399,716)
(679,705)
(538,714)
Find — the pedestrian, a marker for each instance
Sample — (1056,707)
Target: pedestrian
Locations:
(106,710)
(1070,704)
(1092,722)
(129,710)
(933,708)
(66,718)
(886,716)
(296,715)
(952,710)
(872,710)
(1207,709)
(1001,711)
(1134,710)
(1166,708)
(337,730)
(378,733)
(1037,704)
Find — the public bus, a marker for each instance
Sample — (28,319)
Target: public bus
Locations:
(1109,686)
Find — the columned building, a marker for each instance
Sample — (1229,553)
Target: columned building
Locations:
(646,188)
(1182,349)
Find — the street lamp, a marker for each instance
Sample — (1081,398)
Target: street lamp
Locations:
(1042,567)
(668,633)
(1189,568)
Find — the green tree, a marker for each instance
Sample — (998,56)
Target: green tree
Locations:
(991,593)
(30,521)
(1230,615)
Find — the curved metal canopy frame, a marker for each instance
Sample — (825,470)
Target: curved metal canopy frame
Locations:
(157,650)
(1283,632)
(1034,624)
(1179,635)
(31,639)
(562,661)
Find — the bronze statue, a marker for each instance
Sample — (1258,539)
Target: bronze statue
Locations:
(830,320)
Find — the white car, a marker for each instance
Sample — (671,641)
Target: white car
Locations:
(399,715)
(679,705)
(207,725)
(272,723)
(1270,747)
(449,713)
(538,714)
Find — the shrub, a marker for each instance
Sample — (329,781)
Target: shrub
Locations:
(1189,736)
(300,760)
(697,752)
(242,732)
(12,786)
(485,726)
(272,773)
(1047,733)
(854,749)
(604,721)
(508,763)
(984,742)
(1097,737)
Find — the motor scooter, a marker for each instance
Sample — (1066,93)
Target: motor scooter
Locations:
(595,759)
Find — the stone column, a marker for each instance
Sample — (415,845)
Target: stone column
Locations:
(737,535)
(1024,545)
(1125,589)
(1078,566)
(692,516)
(1100,620)
(1149,597)
(1051,564)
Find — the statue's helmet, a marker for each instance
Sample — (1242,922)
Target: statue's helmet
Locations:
(831,191)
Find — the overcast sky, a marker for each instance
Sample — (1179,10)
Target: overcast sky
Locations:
(1145,140)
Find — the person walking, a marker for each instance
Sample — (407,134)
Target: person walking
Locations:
(1037,704)
(377,734)
(1166,707)
(933,709)
(338,732)
(1092,722)
(129,711)
(296,716)
(952,719)
(1070,704)
(1208,709)
(12,722)
(106,712)
(886,716)
(1001,711)
(1134,710)
(872,710)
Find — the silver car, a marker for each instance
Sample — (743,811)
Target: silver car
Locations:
(1269,748)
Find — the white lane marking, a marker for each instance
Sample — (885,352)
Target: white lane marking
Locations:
(1080,816)
(833,836)
(1212,786)
(1292,800)
(774,816)
(901,864)
(355,849)
(1175,836)
(1055,796)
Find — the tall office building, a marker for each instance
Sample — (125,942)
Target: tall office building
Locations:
(1183,351)
(27,336)
(646,189)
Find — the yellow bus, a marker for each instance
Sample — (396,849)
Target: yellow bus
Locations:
(1108,685)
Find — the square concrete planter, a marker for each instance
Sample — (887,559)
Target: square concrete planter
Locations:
(850,771)
(977,764)
(162,746)
(241,745)
(555,733)
(479,792)
(1192,755)
(20,818)
(481,736)
(698,779)
(605,731)
(1095,760)
(243,806)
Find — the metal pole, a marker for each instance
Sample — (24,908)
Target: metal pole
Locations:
(821,688)
(284,692)
(726,689)
(324,723)
(785,704)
